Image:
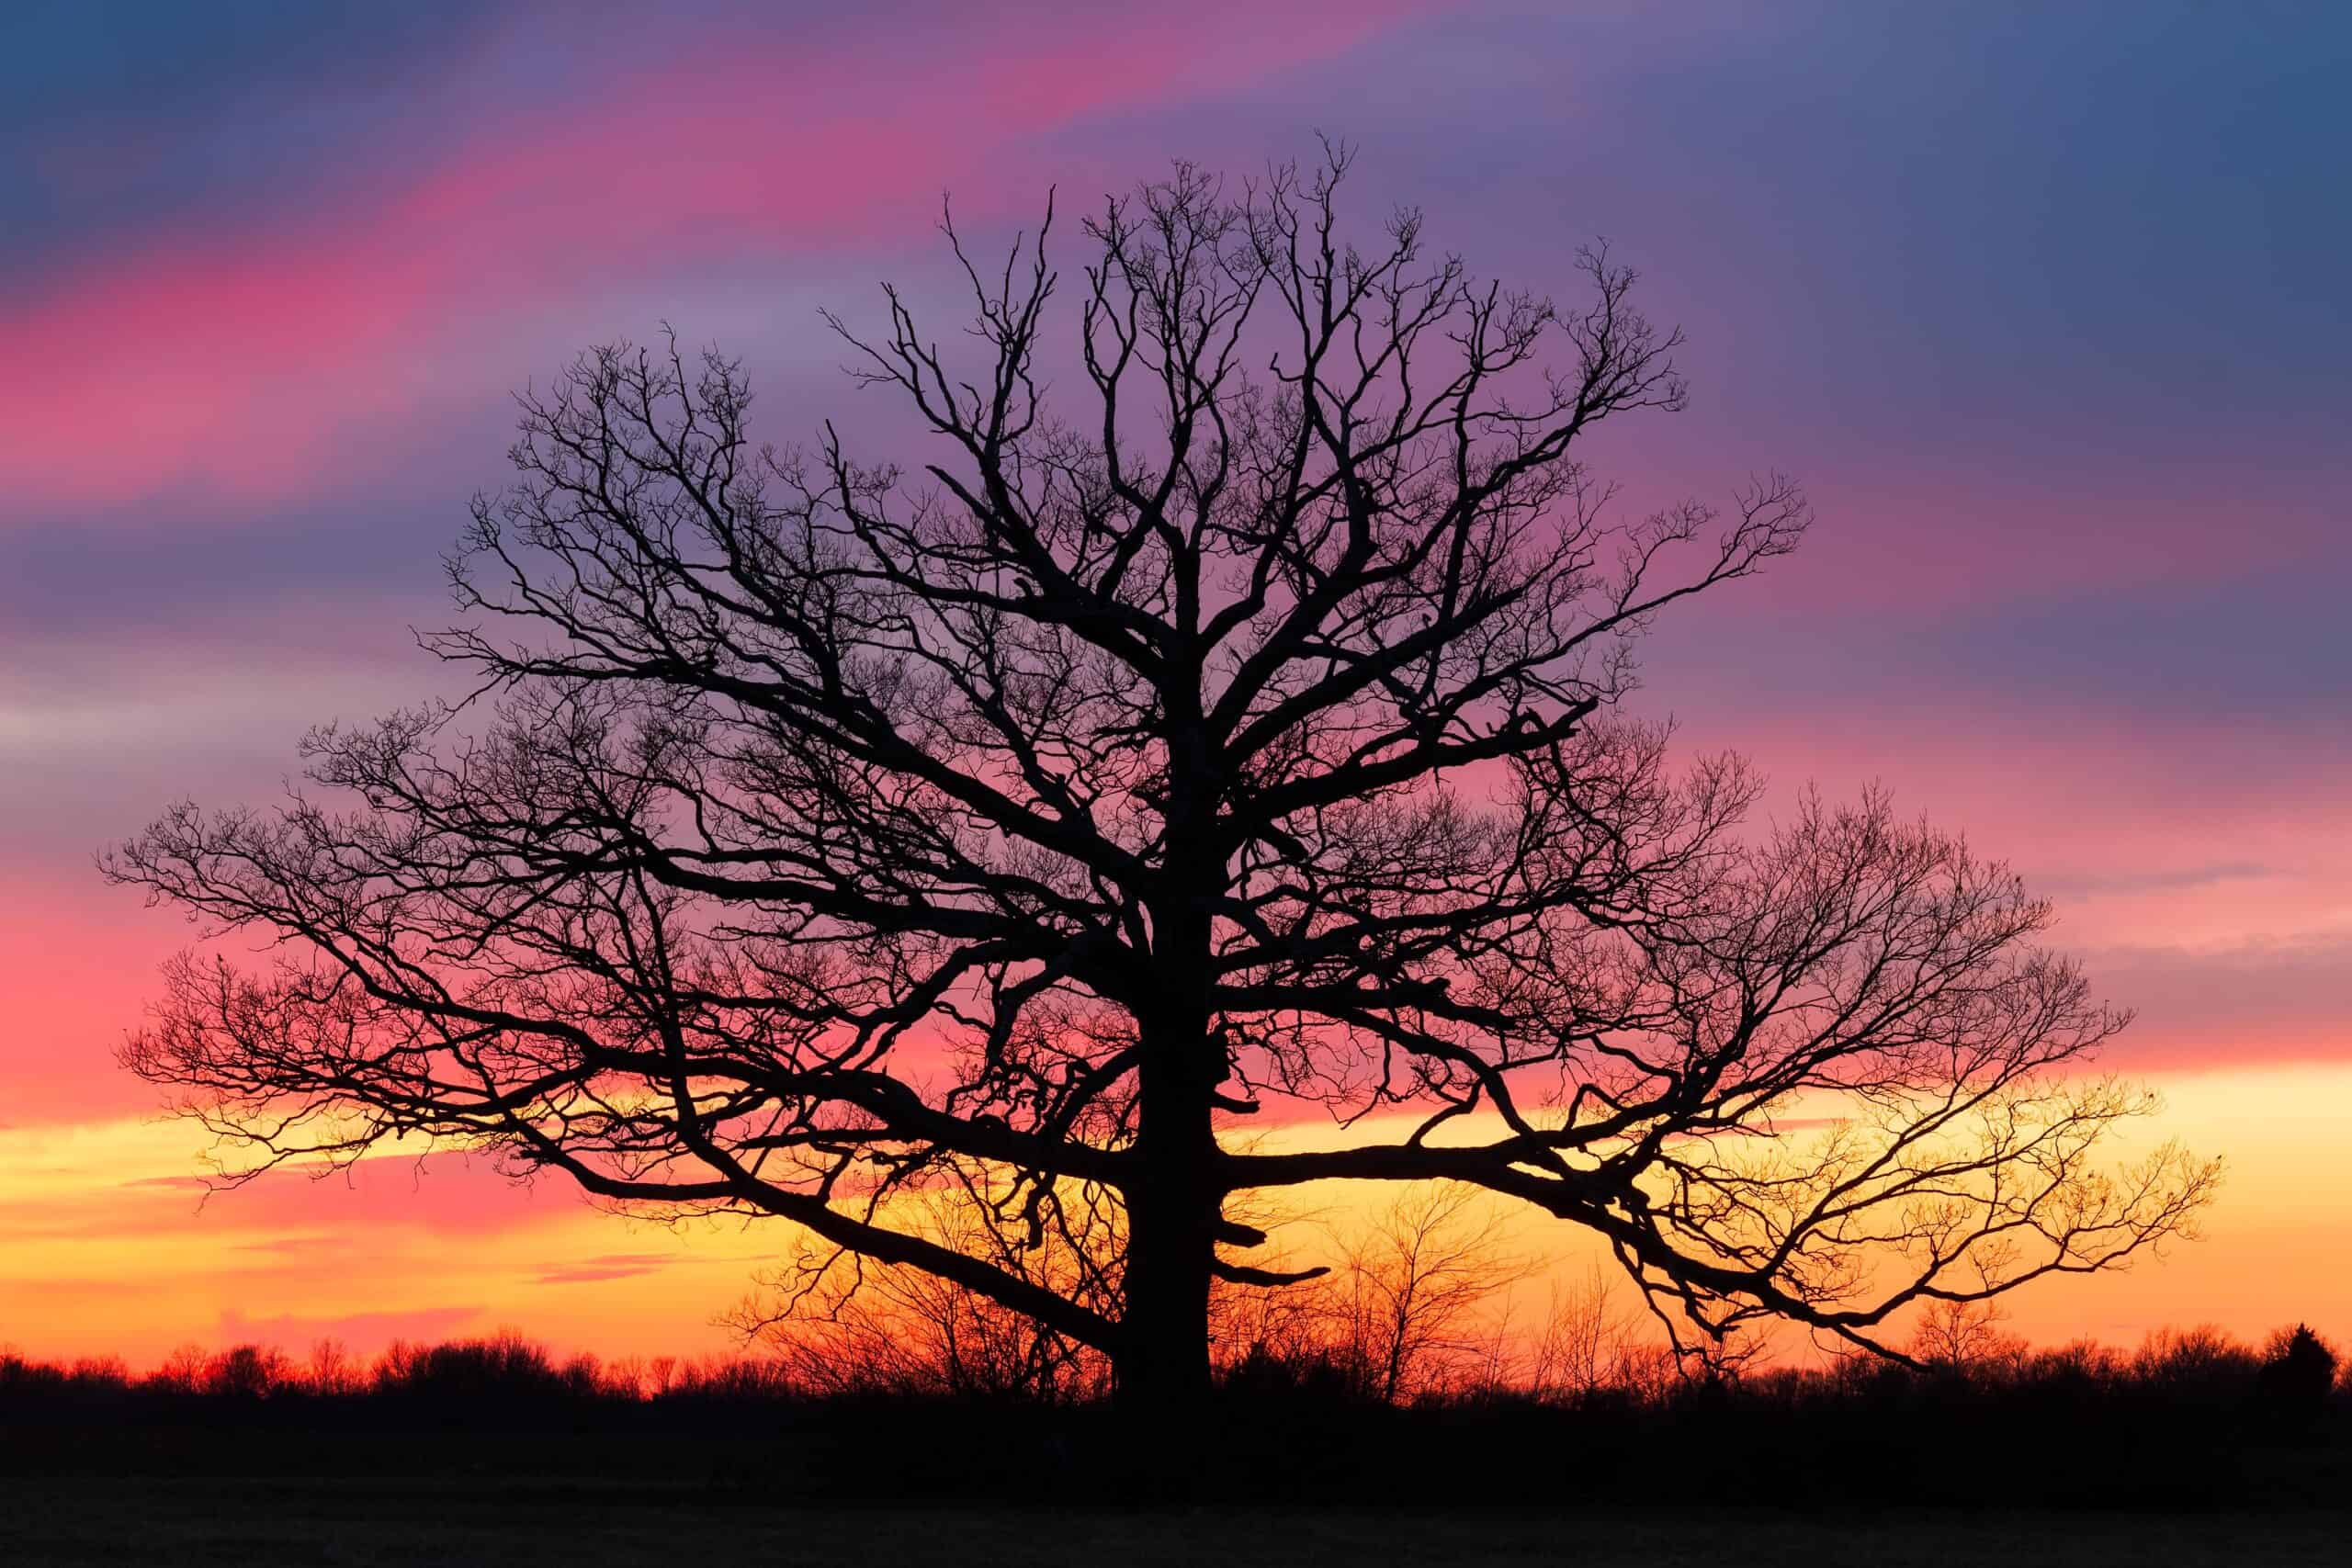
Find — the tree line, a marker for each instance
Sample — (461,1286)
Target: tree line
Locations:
(1580,1356)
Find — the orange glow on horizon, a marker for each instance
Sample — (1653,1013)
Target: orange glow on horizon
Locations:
(115,1250)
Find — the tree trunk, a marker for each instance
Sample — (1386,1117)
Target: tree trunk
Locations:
(1172,1212)
(1164,1363)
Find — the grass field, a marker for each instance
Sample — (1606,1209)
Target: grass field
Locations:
(74,1522)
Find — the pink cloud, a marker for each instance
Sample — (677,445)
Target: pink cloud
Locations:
(77,977)
(239,363)
(439,1193)
(607,1266)
(2197,866)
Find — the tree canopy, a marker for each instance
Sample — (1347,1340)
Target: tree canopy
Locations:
(1240,732)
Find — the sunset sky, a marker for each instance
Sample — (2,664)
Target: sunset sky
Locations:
(2045,303)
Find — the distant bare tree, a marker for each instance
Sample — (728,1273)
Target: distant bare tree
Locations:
(2202,1364)
(823,833)
(183,1369)
(844,1323)
(1964,1336)
(334,1370)
(248,1371)
(1583,1342)
(1961,1333)
(912,1332)
(1406,1303)
(1263,1328)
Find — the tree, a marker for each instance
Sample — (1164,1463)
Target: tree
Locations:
(1965,1337)
(2298,1372)
(845,1325)
(1405,1301)
(822,834)
(1583,1345)
(334,1370)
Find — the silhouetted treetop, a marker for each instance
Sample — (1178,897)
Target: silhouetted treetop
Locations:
(1241,730)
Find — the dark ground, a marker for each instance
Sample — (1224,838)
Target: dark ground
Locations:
(72,1521)
(1896,1471)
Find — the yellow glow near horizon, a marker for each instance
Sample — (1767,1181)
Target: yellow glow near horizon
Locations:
(110,1252)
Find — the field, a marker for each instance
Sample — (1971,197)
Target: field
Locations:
(71,1522)
(2080,1470)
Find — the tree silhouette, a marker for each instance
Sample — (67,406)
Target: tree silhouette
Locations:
(2297,1373)
(1407,1294)
(1583,1345)
(821,834)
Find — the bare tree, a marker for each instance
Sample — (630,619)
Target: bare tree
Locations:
(1966,1337)
(1583,1343)
(1962,1333)
(2200,1359)
(1248,737)
(334,1370)
(1406,1303)
(846,1324)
